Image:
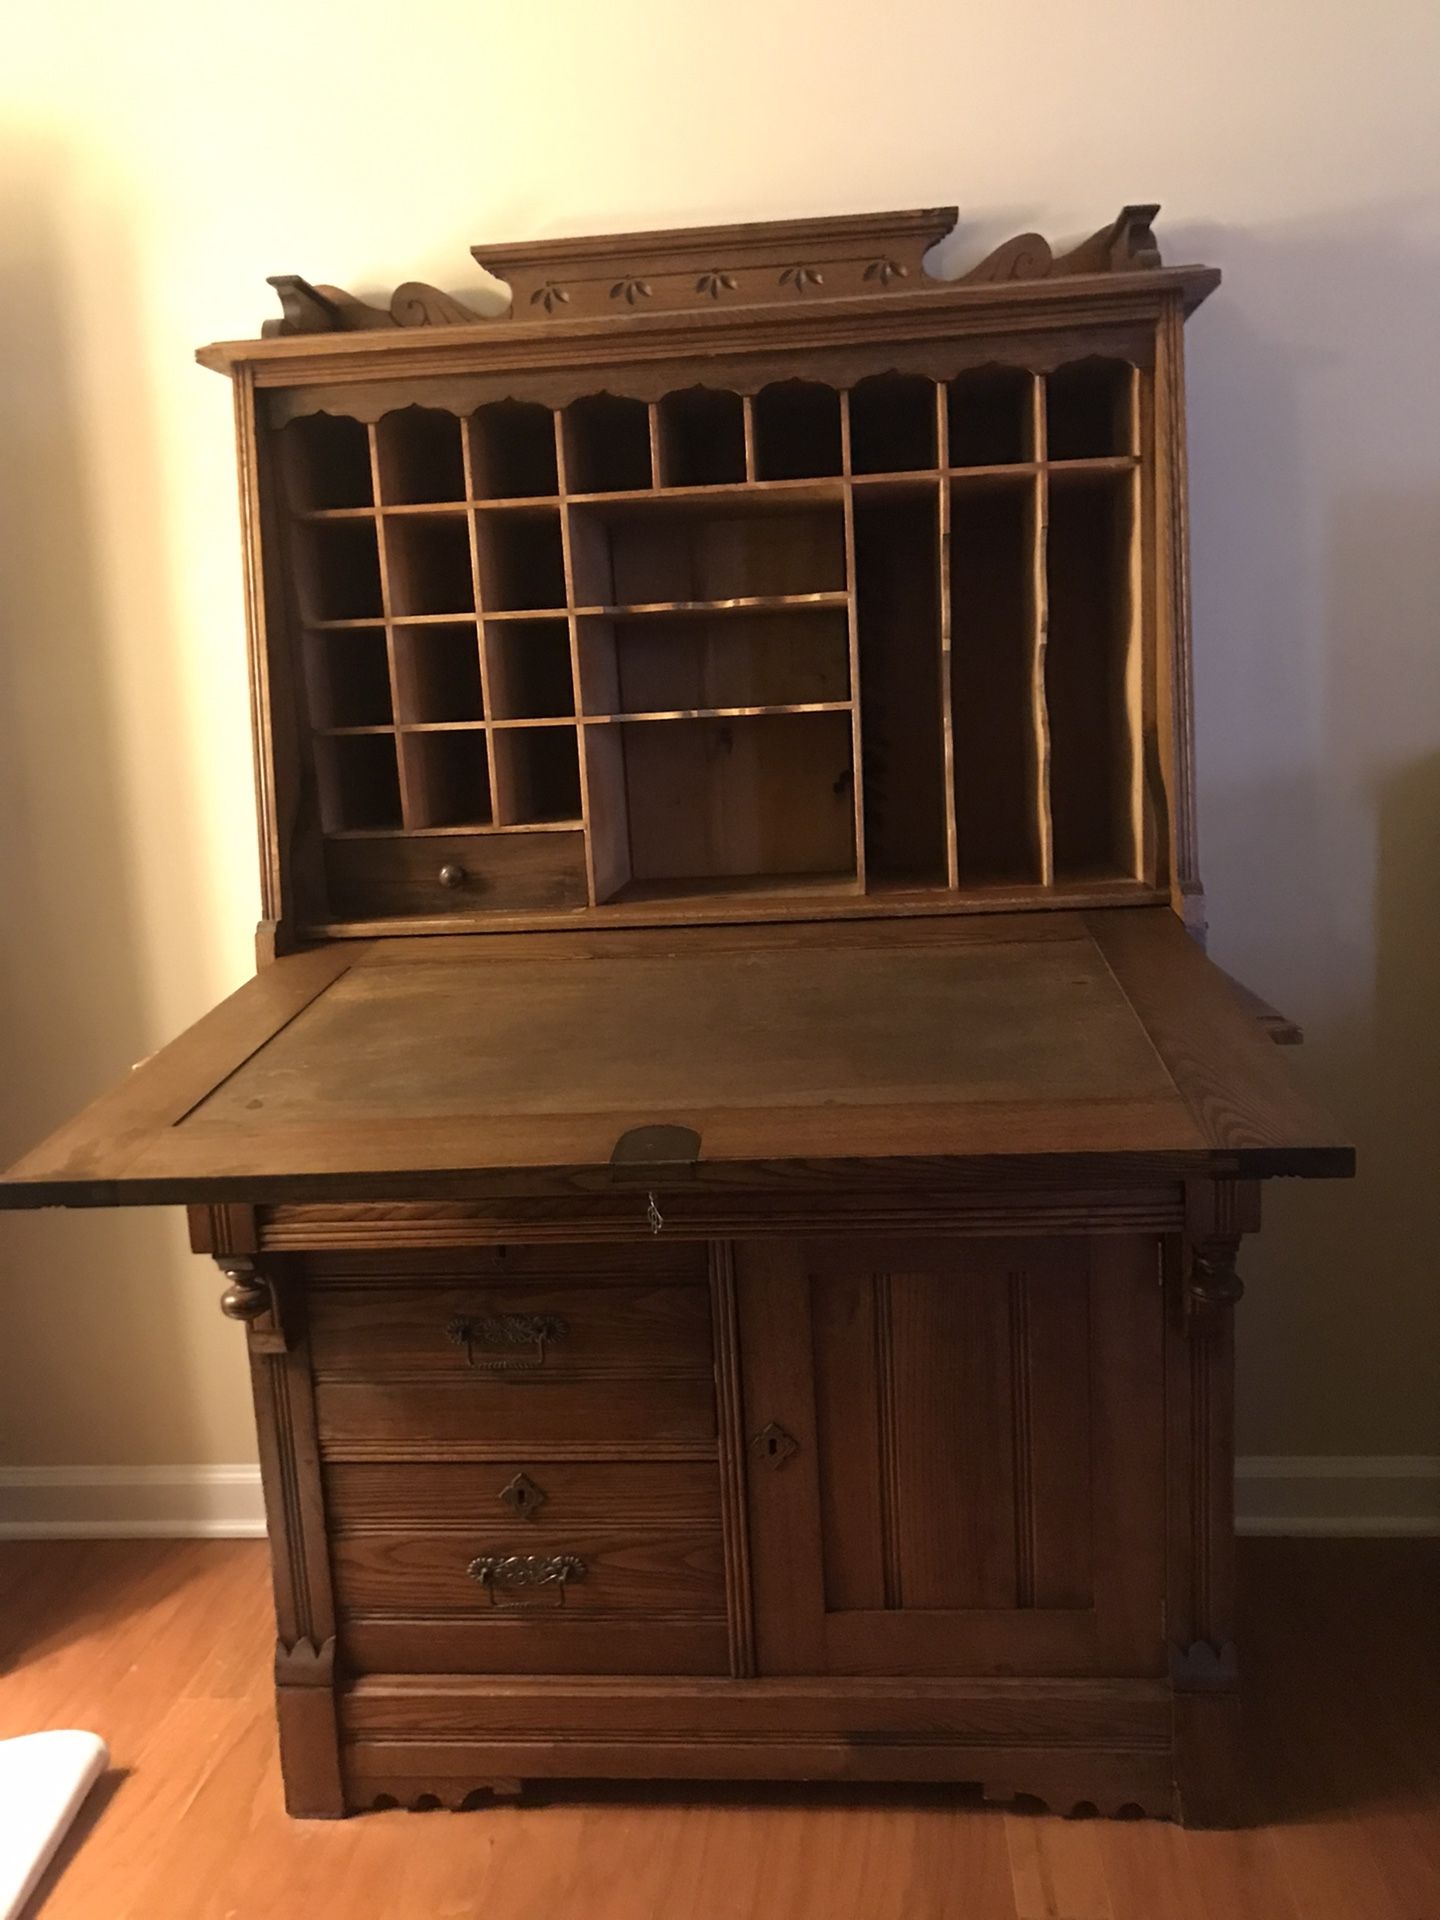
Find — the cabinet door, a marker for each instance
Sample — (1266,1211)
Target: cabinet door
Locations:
(956,1455)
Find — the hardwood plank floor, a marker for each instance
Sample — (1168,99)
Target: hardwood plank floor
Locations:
(165,1649)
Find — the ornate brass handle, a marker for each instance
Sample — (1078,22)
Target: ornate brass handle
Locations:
(507,1572)
(506,1332)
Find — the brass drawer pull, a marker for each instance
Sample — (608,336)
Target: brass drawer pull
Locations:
(504,1573)
(503,1333)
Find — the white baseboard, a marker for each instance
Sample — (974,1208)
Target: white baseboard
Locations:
(1339,1496)
(131,1503)
(1323,1495)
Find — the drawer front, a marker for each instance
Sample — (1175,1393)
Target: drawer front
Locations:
(489,1568)
(497,872)
(495,1416)
(648,1595)
(551,1497)
(474,1331)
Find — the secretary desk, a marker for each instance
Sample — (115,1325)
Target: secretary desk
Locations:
(733,1160)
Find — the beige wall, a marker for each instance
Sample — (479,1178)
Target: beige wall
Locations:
(158,160)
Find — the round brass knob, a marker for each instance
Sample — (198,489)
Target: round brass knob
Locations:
(451,875)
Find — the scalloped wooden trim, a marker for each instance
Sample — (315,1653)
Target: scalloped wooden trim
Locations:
(651,381)
(423,1794)
(749,264)
(323,309)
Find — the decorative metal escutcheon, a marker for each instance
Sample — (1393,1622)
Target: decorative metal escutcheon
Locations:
(501,1338)
(505,1573)
(774,1446)
(523,1497)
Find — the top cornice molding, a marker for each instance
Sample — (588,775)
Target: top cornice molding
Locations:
(625,280)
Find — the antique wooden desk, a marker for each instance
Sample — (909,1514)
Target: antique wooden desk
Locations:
(733,1160)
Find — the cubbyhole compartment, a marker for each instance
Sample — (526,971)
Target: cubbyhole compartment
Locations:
(537,776)
(797,431)
(702,438)
(898,618)
(522,559)
(992,670)
(607,444)
(419,457)
(347,678)
(447,778)
(437,672)
(359,782)
(1088,666)
(528,664)
(990,417)
(325,459)
(681,551)
(1088,410)
(892,423)
(680,663)
(428,560)
(512,451)
(734,803)
(338,570)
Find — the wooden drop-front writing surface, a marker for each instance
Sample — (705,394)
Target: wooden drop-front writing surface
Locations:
(679,1032)
(452,1067)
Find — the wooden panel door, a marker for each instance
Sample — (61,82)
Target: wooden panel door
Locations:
(956,1455)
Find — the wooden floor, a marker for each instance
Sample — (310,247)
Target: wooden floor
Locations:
(164,1649)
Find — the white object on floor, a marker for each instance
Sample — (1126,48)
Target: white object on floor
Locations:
(44,1778)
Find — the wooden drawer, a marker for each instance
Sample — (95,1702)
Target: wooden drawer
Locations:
(474,1331)
(502,872)
(519,1314)
(563,1496)
(574,1570)
(495,1416)
(648,1595)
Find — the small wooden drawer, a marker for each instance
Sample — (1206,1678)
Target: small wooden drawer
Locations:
(593,1567)
(506,1567)
(495,1416)
(540,1314)
(552,1497)
(454,873)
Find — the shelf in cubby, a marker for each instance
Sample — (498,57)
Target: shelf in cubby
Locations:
(990,417)
(687,549)
(419,456)
(437,671)
(428,564)
(446,777)
(512,451)
(1089,409)
(798,430)
(741,604)
(486,829)
(893,424)
(756,654)
(714,713)
(347,677)
(528,670)
(358,776)
(1091,652)
(701,436)
(325,463)
(768,793)
(521,560)
(338,570)
(607,445)
(537,775)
